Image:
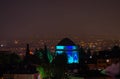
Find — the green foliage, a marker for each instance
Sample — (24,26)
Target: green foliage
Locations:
(38,53)
(41,71)
(43,55)
(50,57)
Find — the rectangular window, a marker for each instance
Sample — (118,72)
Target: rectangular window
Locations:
(59,52)
(59,47)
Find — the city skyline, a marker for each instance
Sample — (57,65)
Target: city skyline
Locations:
(85,19)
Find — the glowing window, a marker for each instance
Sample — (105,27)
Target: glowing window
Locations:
(72,57)
(74,47)
(75,57)
(60,47)
(59,52)
(70,47)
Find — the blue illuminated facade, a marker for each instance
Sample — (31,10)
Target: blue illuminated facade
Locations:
(71,52)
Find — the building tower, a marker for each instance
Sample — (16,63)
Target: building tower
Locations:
(27,50)
(70,49)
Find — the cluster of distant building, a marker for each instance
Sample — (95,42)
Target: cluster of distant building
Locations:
(19,45)
(77,56)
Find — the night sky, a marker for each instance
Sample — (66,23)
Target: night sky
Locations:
(23,19)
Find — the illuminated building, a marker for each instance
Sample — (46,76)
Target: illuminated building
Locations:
(71,50)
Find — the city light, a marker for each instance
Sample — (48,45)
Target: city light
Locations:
(107,60)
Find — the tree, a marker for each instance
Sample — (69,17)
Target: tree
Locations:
(115,52)
(9,62)
(60,63)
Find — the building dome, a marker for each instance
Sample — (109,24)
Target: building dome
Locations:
(66,42)
(69,48)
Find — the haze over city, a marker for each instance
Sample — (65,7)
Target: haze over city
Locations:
(89,19)
(59,39)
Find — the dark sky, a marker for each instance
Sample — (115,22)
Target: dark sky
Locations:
(58,18)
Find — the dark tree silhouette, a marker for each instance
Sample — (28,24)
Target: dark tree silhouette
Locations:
(9,62)
(115,52)
(59,63)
